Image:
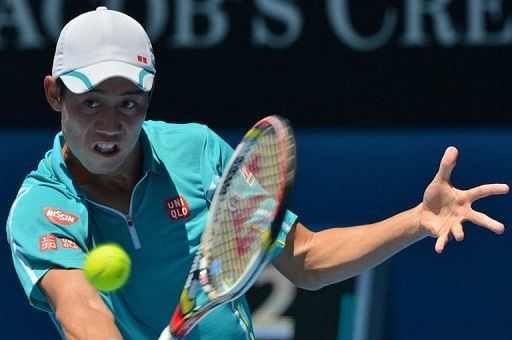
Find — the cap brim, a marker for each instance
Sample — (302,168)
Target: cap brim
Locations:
(86,78)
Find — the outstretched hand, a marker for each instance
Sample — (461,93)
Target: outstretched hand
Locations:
(445,208)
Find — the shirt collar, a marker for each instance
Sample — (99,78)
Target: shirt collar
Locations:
(151,162)
(59,166)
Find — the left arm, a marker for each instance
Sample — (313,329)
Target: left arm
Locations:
(313,260)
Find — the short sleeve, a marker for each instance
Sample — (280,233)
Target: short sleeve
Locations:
(45,229)
(289,220)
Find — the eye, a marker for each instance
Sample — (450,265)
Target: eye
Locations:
(129,104)
(91,103)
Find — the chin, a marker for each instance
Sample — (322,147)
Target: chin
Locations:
(104,169)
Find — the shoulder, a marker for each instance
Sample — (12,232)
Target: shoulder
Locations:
(184,140)
(35,194)
(41,206)
(175,132)
(41,188)
(44,183)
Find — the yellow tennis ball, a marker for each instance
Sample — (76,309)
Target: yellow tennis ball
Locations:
(107,267)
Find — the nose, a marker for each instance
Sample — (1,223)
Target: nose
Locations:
(109,123)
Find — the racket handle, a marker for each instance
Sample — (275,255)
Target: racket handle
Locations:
(166,334)
(177,321)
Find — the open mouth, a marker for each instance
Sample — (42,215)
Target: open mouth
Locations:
(106,148)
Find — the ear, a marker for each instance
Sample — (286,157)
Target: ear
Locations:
(52,93)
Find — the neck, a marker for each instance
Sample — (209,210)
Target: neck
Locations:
(123,179)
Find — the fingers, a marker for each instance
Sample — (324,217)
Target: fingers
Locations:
(441,243)
(483,191)
(456,232)
(447,164)
(485,221)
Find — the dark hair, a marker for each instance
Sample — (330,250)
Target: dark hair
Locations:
(61,87)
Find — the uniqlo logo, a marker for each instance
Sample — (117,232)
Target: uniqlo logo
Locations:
(68,244)
(177,208)
(48,242)
(142,59)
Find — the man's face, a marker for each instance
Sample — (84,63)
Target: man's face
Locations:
(102,127)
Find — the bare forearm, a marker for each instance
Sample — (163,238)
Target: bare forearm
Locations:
(340,253)
(86,322)
(78,306)
(336,254)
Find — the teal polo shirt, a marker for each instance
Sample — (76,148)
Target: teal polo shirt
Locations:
(52,223)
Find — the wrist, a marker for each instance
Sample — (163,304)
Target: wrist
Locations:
(418,230)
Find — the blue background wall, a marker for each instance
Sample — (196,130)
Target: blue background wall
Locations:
(356,176)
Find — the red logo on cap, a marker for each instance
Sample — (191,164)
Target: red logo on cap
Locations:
(177,208)
(142,59)
(48,242)
(60,217)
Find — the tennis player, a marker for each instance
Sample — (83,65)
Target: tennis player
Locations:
(112,176)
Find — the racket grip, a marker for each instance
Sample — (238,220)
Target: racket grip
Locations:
(176,322)
(166,334)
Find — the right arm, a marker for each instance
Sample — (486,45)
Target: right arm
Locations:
(316,259)
(78,306)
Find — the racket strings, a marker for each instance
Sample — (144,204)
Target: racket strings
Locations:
(245,211)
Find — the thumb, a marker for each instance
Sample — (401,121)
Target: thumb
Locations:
(448,162)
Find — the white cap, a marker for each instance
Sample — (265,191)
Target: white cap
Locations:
(102,44)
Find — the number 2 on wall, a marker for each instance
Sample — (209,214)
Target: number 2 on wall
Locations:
(268,319)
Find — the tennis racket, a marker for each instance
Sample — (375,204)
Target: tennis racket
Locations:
(243,223)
